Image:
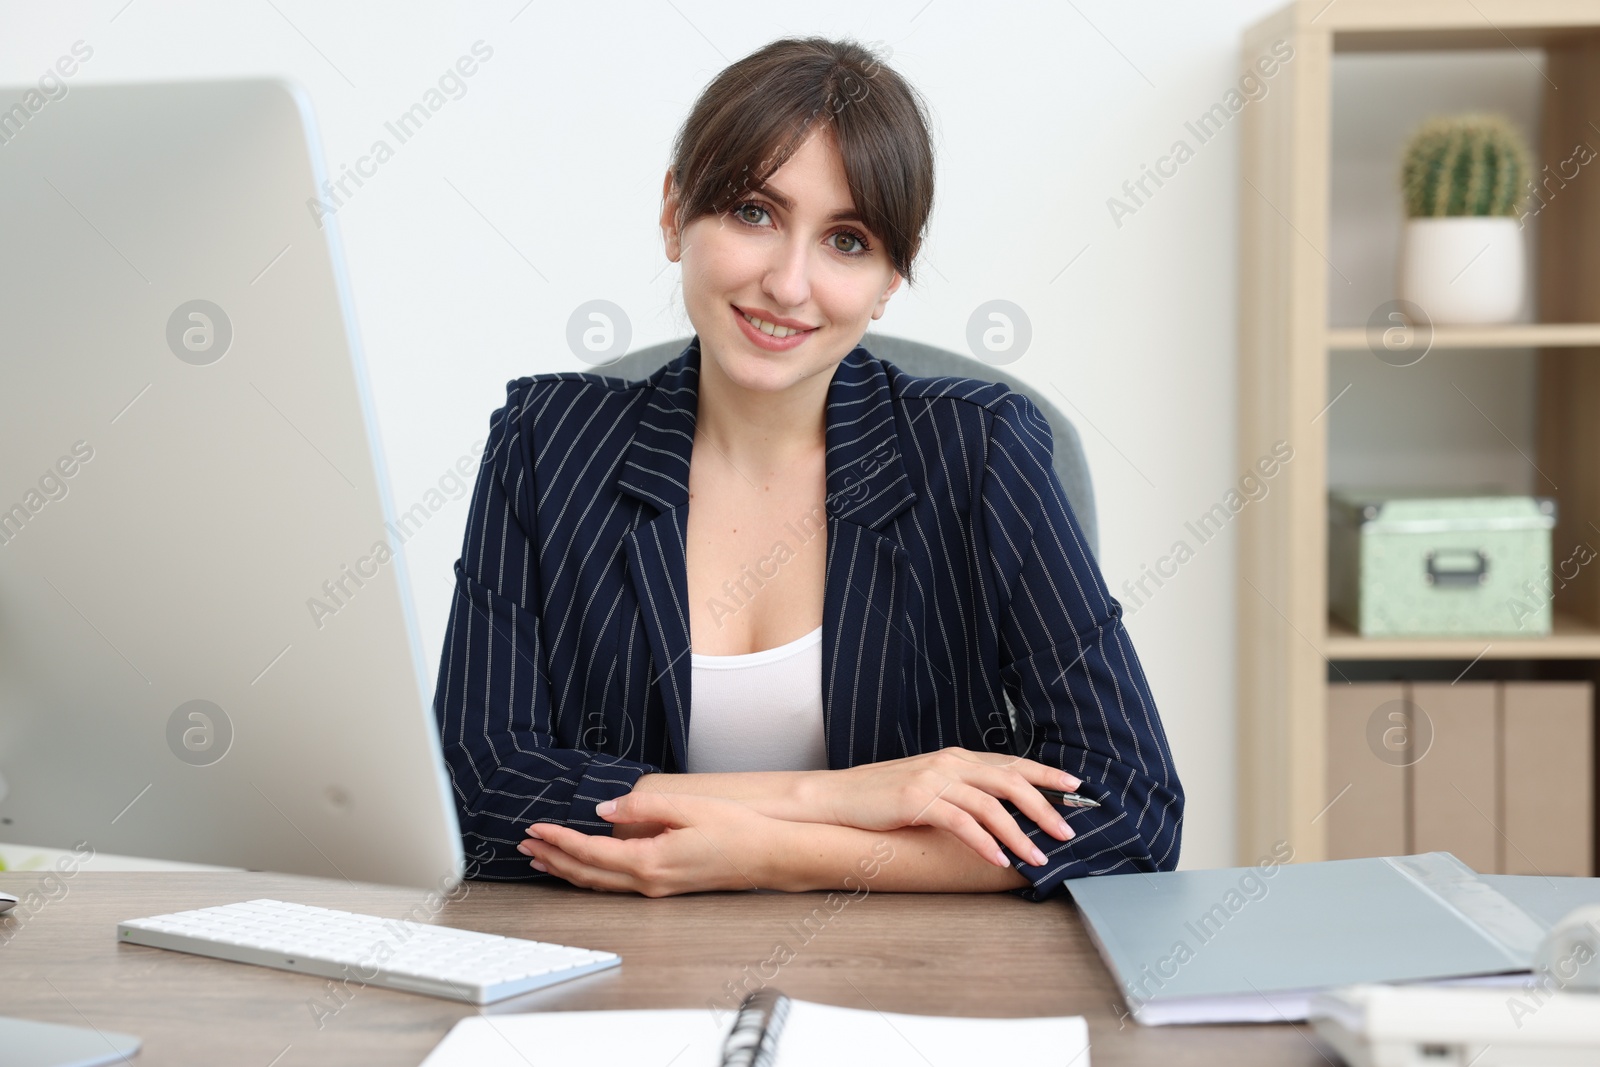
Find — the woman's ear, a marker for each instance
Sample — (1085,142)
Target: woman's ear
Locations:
(883,301)
(670,235)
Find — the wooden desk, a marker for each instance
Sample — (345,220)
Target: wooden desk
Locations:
(957,955)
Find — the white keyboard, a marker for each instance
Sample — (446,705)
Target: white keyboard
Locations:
(441,961)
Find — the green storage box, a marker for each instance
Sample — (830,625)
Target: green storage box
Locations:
(1430,564)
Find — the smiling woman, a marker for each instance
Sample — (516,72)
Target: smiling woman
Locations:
(838,728)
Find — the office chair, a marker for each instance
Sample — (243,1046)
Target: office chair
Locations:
(913,357)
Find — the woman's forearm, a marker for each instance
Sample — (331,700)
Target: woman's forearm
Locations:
(913,859)
(776,794)
(954,791)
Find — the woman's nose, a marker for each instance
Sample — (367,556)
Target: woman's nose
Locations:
(788,279)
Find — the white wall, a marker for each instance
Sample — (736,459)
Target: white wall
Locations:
(538,190)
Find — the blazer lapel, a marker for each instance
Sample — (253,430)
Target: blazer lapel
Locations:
(865,640)
(656,471)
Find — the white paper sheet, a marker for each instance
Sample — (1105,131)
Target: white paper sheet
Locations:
(814,1034)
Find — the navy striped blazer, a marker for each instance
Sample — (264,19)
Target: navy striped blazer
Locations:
(956,576)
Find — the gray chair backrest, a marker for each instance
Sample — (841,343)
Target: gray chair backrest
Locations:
(927,361)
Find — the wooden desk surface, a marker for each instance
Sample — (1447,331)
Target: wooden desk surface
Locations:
(942,954)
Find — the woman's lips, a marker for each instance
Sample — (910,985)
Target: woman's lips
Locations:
(766,340)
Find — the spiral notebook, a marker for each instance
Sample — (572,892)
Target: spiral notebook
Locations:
(769,1029)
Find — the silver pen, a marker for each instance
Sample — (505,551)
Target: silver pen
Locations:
(1069,800)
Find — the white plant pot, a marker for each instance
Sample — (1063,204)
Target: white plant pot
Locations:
(1464,269)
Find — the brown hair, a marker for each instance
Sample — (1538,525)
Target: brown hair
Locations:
(757,112)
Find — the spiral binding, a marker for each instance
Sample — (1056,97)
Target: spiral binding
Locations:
(753,1041)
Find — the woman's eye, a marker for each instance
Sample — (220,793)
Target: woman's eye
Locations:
(850,237)
(742,210)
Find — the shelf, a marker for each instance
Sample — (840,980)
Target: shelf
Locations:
(1493,33)
(1571,638)
(1512,335)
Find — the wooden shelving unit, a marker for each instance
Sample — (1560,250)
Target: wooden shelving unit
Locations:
(1287,639)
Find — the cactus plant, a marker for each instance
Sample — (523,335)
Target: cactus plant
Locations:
(1464,165)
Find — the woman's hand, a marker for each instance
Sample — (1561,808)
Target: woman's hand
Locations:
(700,843)
(954,789)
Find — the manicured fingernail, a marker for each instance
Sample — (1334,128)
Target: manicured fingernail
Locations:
(1071,833)
(1000,859)
(1069,782)
(606,808)
(536,865)
(1062,828)
(525,848)
(1038,858)
(533,832)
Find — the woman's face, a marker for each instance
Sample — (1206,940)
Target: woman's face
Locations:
(784,256)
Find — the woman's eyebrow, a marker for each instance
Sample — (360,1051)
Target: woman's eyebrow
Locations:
(847,214)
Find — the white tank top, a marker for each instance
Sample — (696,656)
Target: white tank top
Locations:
(761,711)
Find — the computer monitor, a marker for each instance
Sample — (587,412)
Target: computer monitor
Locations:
(208,649)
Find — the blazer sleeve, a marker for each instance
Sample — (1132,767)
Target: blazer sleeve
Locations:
(497,728)
(1069,667)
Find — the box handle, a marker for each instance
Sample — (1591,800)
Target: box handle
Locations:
(1454,573)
